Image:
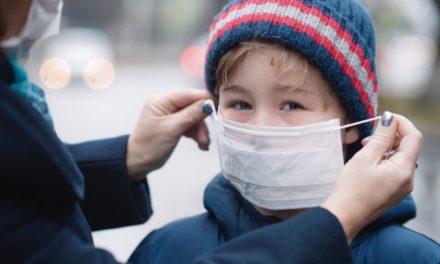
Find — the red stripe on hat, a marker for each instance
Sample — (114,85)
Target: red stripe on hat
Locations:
(326,20)
(335,54)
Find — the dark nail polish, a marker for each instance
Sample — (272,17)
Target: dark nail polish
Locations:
(207,108)
(387,119)
(209,140)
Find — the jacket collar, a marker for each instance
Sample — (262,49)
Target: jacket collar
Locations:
(6,73)
(237,216)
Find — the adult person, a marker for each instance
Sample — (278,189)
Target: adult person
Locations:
(53,195)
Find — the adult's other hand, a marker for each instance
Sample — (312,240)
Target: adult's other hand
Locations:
(373,181)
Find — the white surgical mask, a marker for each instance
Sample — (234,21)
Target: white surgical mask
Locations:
(280,168)
(43,21)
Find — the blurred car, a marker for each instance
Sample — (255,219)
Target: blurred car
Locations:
(78,47)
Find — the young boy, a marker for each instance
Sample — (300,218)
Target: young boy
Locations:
(290,64)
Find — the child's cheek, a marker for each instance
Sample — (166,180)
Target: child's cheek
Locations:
(236,115)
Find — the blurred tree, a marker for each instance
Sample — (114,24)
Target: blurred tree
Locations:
(437,4)
(97,14)
(182,21)
(433,94)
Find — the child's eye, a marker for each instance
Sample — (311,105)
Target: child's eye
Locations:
(291,106)
(242,106)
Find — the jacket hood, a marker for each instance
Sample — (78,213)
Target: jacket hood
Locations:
(237,216)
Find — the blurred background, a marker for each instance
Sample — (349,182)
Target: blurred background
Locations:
(112,54)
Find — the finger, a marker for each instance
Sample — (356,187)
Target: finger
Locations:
(365,141)
(395,144)
(188,117)
(203,136)
(200,134)
(382,139)
(178,99)
(411,140)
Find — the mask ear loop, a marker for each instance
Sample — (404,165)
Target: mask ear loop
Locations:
(360,122)
(209,104)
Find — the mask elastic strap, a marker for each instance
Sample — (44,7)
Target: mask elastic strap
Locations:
(360,122)
(214,111)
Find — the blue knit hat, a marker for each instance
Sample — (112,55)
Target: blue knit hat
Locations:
(337,36)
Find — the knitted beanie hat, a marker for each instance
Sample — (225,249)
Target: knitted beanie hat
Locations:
(337,36)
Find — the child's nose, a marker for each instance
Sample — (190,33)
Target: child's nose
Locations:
(263,118)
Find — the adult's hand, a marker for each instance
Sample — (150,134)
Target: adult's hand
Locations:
(164,119)
(371,183)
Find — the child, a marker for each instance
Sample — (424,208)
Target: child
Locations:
(298,65)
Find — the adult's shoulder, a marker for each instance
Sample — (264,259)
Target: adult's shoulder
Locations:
(32,153)
(396,244)
(181,241)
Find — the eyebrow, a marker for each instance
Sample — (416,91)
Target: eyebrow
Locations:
(278,89)
(288,88)
(234,89)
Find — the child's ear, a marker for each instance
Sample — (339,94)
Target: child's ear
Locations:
(351,135)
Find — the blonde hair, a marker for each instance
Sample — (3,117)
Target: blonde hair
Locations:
(288,60)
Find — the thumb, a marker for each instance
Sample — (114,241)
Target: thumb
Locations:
(382,139)
(189,116)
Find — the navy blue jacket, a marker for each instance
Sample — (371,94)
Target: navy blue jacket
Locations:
(53,195)
(230,215)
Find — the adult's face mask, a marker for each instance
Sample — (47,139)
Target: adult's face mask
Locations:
(43,21)
(281,168)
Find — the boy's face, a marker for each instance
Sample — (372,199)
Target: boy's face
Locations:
(258,94)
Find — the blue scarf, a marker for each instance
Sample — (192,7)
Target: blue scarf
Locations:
(29,91)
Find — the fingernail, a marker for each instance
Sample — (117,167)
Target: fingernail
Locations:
(204,147)
(208,140)
(207,108)
(364,141)
(387,118)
